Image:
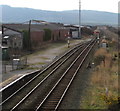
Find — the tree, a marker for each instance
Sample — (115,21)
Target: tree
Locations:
(47,36)
(26,40)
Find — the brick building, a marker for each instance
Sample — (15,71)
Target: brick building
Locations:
(37,31)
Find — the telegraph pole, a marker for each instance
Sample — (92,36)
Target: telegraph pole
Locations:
(79,33)
(29,34)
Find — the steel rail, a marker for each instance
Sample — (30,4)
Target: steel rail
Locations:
(73,78)
(18,90)
(41,73)
(41,104)
(23,99)
(43,69)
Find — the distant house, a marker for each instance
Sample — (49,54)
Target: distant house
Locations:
(12,39)
(74,30)
(84,31)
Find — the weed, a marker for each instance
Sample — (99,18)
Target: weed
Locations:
(103,89)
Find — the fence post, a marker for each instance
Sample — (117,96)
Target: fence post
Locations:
(12,64)
(26,62)
(4,66)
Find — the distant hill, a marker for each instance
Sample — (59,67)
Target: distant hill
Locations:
(13,15)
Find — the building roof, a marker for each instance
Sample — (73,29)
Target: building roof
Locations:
(35,27)
(10,32)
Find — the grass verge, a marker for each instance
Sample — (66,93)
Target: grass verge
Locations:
(102,92)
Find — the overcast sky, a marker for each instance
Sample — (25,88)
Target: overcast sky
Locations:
(59,5)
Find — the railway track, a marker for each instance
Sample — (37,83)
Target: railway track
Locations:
(21,96)
(57,93)
(11,88)
(40,99)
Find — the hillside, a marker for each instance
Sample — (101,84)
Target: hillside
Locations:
(12,14)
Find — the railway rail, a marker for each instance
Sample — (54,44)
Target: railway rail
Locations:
(22,98)
(56,95)
(15,85)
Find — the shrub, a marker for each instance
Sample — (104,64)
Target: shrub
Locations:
(26,40)
(100,56)
(112,101)
(98,59)
(47,35)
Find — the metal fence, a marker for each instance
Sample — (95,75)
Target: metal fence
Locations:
(15,64)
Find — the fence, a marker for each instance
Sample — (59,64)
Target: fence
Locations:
(14,64)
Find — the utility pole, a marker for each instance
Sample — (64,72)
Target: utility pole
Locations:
(1,35)
(79,33)
(2,30)
(29,34)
